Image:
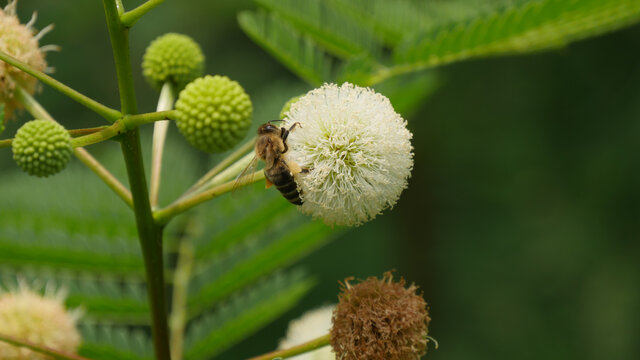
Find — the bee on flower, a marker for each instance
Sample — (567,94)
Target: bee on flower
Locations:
(358,151)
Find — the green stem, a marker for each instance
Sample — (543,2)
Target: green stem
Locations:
(241,151)
(231,172)
(128,122)
(149,233)
(181,277)
(110,114)
(85,131)
(165,102)
(104,174)
(37,111)
(5,143)
(296,350)
(162,216)
(131,17)
(49,352)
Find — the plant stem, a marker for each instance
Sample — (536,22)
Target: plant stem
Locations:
(49,352)
(181,277)
(131,17)
(296,350)
(165,102)
(110,114)
(162,216)
(241,151)
(128,122)
(149,232)
(37,111)
(85,131)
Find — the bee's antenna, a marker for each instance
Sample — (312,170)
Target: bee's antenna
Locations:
(270,121)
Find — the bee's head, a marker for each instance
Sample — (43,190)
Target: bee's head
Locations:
(268,128)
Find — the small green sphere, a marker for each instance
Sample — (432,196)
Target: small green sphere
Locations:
(287,106)
(42,148)
(213,113)
(172,57)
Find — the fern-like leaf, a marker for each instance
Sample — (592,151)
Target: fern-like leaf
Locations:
(114,342)
(261,253)
(245,314)
(285,43)
(327,26)
(532,26)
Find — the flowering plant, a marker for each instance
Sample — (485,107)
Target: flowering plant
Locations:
(224,261)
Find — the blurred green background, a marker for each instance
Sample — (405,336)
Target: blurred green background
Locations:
(522,216)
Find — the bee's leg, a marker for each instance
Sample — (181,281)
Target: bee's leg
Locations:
(297,123)
(304,170)
(284,133)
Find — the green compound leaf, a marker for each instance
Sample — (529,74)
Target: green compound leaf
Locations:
(327,26)
(114,342)
(284,42)
(244,314)
(245,264)
(529,27)
(419,35)
(62,223)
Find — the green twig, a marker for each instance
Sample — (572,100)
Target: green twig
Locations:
(149,233)
(49,352)
(38,112)
(296,350)
(131,17)
(162,216)
(86,131)
(104,175)
(128,122)
(110,114)
(241,151)
(181,277)
(165,102)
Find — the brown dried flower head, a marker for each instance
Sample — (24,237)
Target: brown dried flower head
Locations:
(379,319)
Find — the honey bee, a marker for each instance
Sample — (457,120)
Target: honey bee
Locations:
(271,147)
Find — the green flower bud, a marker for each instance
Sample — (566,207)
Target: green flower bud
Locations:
(42,148)
(213,113)
(287,106)
(172,57)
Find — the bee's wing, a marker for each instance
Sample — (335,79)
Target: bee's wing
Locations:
(246,176)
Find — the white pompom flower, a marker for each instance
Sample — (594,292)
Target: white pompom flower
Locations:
(310,325)
(357,149)
(42,320)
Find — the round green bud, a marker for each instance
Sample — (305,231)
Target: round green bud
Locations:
(213,113)
(42,148)
(287,106)
(172,57)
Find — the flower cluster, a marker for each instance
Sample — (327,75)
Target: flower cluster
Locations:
(21,42)
(214,113)
(310,325)
(172,57)
(357,149)
(42,320)
(42,148)
(379,319)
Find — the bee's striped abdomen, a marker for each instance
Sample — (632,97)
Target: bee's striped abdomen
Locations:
(283,180)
